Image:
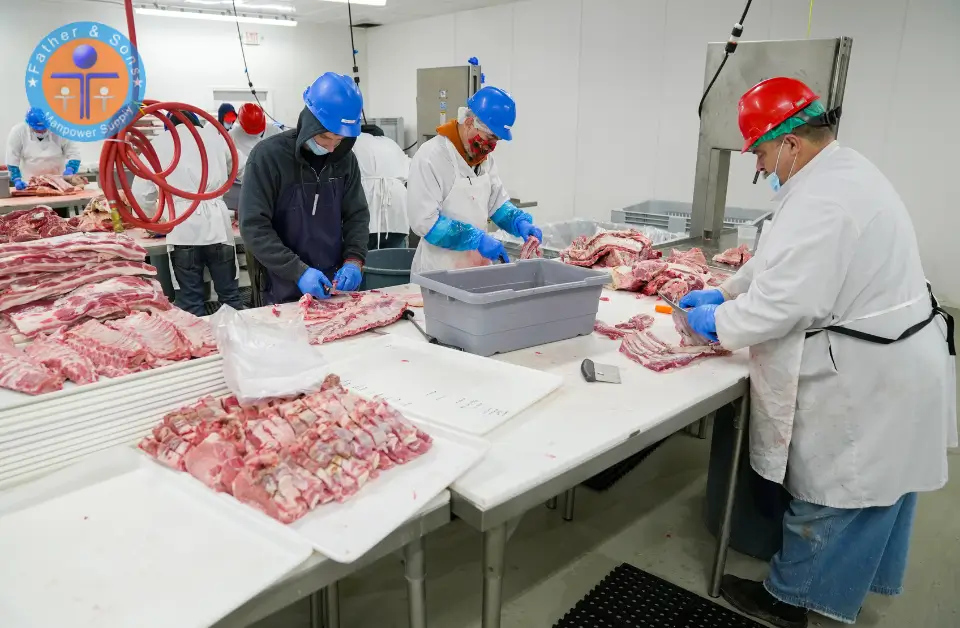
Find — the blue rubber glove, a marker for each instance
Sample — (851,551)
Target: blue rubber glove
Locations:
(19,184)
(703,320)
(697,298)
(348,278)
(526,229)
(73,166)
(314,283)
(69,171)
(508,217)
(492,249)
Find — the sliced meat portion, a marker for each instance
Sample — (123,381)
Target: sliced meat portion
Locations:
(121,246)
(197,332)
(159,336)
(20,373)
(634,277)
(35,287)
(346,315)
(639,322)
(610,248)
(114,353)
(653,353)
(61,359)
(737,256)
(693,257)
(50,261)
(531,249)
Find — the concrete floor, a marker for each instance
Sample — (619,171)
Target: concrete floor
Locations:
(651,519)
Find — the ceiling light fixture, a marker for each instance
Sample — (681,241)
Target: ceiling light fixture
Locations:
(217,17)
(372,3)
(279,8)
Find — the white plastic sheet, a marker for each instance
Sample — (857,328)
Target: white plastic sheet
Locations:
(263,359)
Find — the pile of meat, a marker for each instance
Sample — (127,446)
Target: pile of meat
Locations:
(25,225)
(94,349)
(737,256)
(96,215)
(52,185)
(609,249)
(349,313)
(674,276)
(285,457)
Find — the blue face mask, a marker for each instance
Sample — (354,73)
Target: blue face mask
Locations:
(773,178)
(315,148)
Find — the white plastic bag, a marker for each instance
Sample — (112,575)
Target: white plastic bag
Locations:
(264,359)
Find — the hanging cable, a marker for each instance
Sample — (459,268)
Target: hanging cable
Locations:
(728,50)
(246,69)
(810,19)
(353,51)
(120,153)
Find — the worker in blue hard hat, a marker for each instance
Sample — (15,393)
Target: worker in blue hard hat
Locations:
(32,150)
(303,214)
(454,188)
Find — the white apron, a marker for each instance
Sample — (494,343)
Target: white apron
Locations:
(41,156)
(469,202)
(209,224)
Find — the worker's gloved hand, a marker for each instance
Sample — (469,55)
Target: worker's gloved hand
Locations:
(703,320)
(348,278)
(314,283)
(492,249)
(69,171)
(697,298)
(19,184)
(526,229)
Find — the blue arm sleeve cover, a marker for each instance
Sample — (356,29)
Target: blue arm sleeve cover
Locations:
(454,235)
(508,216)
(75,164)
(14,172)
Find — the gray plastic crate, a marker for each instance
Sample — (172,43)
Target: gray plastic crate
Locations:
(505,307)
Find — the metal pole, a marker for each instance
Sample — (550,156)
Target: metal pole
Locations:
(723,538)
(415,570)
(332,599)
(552,503)
(494,550)
(316,609)
(568,497)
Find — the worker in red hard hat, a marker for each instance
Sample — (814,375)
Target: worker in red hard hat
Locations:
(251,128)
(852,374)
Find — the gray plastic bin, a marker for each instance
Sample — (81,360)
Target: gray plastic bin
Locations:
(387,267)
(505,307)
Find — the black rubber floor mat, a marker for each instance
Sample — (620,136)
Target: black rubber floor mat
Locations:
(608,477)
(246,297)
(631,598)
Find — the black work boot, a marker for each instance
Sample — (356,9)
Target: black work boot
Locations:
(751,598)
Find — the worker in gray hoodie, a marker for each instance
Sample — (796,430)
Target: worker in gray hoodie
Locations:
(303,213)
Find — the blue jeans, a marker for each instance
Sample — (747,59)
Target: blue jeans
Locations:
(188,264)
(832,557)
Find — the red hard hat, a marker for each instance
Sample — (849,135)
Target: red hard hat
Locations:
(251,118)
(768,103)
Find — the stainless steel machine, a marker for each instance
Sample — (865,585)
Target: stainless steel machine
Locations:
(820,63)
(440,93)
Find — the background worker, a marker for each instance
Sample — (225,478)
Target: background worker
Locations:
(227,115)
(32,150)
(250,130)
(454,188)
(303,214)
(205,239)
(384,169)
(852,379)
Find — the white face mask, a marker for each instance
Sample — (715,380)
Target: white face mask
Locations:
(773,178)
(40,134)
(315,148)
(228,125)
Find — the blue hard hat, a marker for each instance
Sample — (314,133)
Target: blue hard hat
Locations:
(35,119)
(335,100)
(496,109)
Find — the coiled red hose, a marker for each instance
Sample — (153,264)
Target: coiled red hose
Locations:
(120,152)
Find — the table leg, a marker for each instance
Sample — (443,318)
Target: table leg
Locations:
(552,503)
(316,609)
(332,605)
(415,570)
(494,550)
(723,538)
(568,497)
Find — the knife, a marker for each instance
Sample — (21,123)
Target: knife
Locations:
(681,314)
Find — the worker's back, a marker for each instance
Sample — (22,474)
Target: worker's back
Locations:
(384,168)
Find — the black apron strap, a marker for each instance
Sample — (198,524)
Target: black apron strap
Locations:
(935,311)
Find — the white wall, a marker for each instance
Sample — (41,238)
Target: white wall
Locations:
(184,59)
(607,92)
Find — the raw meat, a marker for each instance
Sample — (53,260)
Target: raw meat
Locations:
(76,180)
(49,261)
(634,277)
(693,258)
(737,256)
(120,295)
(112,352)
(692,276)
(609,248)
(639,322)
(412,300)
(286,457)
(119,245)
(48,185)
(531,249)
(195,331)
(62,360)
(95,216)
(18,372)
(348,314)
(651,352)
(676,289)
(32,224)
(37,286)
(158,335)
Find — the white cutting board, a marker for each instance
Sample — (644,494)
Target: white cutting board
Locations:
(442,386)
(347,531)
(118,541)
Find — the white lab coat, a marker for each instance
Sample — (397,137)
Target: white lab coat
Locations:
(36,157)
(245,142)
(842,422)
(210,223)
(442,182)
(384,168)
